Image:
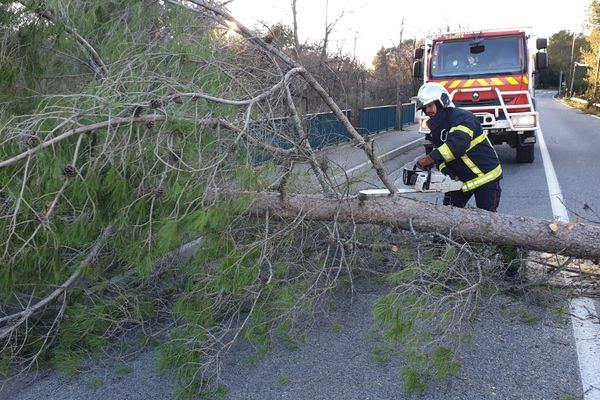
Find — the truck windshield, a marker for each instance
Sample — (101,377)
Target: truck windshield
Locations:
(478,57)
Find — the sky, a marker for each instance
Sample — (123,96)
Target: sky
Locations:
(364,26)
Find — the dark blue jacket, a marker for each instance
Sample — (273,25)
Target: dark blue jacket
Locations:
(462,150)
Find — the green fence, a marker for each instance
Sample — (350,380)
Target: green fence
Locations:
(383,118)
(324,129)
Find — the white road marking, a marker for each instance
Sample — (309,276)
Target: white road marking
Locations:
(584,318)
(556,198)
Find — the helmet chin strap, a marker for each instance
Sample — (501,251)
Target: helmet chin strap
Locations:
(445,100)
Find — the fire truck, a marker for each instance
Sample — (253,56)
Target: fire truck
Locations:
(491,73)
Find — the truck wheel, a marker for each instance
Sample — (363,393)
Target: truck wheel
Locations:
(525,152)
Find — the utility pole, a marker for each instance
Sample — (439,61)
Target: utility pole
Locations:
(596,81)
(575,65)
(572,79)
(399,122)
(560,77)
(571,68)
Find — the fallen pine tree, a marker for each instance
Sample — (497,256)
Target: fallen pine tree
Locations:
(473,225)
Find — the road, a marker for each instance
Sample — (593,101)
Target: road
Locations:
(509,357)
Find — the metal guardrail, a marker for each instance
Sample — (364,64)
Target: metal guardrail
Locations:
(377,119)
(324,129)
(578,100)
(383,118)
(584,101)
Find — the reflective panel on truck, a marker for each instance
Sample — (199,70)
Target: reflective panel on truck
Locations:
(484,82)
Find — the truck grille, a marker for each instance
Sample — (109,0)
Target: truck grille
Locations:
(480,103)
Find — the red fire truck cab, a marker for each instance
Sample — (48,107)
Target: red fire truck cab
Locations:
(491,73)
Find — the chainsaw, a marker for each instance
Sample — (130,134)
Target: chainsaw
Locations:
(421,181)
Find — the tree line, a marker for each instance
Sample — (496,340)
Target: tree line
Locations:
(567,48)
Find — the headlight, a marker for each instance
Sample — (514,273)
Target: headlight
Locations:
(524,121)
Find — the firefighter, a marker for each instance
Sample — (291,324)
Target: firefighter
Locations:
(461,149)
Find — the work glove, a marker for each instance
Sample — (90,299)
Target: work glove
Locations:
(425,162)
(448,172)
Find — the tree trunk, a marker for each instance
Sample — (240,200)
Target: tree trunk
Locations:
(473,225)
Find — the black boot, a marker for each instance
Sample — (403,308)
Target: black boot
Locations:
(512,270)
(514,261)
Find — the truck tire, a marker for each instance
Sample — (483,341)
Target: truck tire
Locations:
(525,152)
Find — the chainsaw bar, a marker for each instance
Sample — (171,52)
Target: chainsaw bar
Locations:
(363,194)
(418,181)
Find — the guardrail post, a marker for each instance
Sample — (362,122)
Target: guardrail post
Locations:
(399,116)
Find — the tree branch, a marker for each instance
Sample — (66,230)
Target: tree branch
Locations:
(226,19)
(22,316)
(83,129)
(98,66)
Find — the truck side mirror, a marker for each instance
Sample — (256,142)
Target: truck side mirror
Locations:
(541,43)
(418,69)
(541,60)
(419,53)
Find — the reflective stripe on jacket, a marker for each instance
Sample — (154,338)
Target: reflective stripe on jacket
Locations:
(462,149)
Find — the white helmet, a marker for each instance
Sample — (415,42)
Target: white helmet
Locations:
(433,91)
